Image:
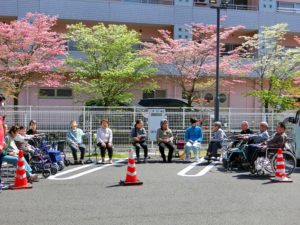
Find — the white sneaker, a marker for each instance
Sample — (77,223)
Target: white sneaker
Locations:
(197,158)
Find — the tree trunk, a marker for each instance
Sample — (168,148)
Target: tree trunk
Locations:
(267,111)
(16,104)
(190,101)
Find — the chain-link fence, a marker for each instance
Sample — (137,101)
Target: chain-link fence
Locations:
(55,120)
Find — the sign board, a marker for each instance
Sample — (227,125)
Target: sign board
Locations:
(154,119)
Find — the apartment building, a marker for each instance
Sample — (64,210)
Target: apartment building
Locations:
(147,17)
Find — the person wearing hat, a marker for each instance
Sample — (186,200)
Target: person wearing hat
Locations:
(164,137)
(193,137)
(216,140)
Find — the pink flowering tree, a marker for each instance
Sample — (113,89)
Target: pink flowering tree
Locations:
(30,53)
(194,61)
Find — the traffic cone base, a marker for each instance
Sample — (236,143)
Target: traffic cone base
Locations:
(21,187)
(283,180)
(126,183)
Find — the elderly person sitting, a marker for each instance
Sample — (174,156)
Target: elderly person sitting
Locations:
(276,141)
(216,141)
(10,153)
(259,137)
(164,139)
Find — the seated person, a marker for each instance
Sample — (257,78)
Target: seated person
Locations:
(245,130)
(193,137)
(32,128)
(10,153)
(138,135)
(75,142)
(164,139)
(104,140)
(21,141)
(216,141)
(259,137)
(276,141)
(32,131)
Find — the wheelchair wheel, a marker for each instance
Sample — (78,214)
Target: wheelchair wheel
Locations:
(289,161)
(61,165)
(53,170)
(67,162)
(46,173)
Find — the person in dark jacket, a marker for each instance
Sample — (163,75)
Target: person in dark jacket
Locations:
(276,141)
(138,136)
(32,128)
(245,128)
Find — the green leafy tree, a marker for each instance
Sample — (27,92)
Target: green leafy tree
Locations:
(273,65)
(111,67)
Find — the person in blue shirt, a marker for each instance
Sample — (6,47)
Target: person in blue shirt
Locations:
(193,137)
(74,140)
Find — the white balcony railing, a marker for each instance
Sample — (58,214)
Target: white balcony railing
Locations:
(161,2)
(288,10)
(229,6)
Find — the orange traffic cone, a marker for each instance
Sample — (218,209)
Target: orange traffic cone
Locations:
(280,175)
(21,179)
(131,177)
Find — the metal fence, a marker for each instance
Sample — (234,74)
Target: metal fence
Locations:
(55,120)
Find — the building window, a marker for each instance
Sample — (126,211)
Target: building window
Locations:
(47,93)
(285,5)
(228,48)
(155,94)
(55,93)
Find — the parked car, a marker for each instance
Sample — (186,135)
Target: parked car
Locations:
(163,102)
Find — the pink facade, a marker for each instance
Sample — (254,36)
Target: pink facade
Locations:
(235,95)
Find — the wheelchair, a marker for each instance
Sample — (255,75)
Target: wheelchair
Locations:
(262,162)
(265,162)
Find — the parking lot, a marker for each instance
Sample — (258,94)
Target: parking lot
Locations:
(177,193)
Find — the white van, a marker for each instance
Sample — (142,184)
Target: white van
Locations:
(296,121)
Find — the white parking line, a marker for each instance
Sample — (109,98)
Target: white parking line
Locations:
(56,177)
(193,165)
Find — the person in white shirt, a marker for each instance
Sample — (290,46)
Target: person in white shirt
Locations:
(104,140)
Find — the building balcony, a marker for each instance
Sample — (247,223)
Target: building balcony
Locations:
(150,12)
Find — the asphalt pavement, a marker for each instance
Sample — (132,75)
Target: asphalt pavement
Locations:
(165,198)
